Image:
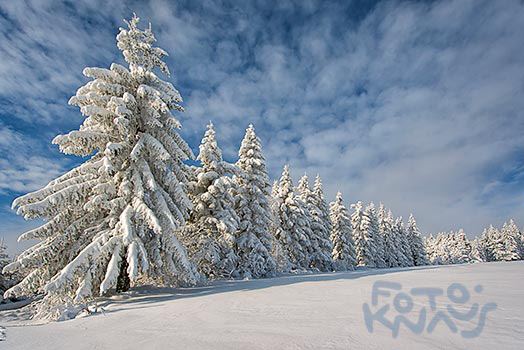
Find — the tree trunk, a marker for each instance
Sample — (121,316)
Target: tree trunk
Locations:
(123,283)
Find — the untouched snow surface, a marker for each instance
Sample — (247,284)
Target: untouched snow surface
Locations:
(318,311)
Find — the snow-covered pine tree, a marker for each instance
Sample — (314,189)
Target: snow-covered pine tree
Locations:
(278,253)
(323,218)
(417,246)
(514,230)
(210,232)
(510,238)
(487,240)
(341,236)
(462,249)
(4,261)
(497,244)
(444,247)
(429,247)
(321,248)
(404,256)
(292,226)
(478,251)
(365,249)
(436,246)
(450,244)
(385,227)
(254,242)
(113,218)
(376,236)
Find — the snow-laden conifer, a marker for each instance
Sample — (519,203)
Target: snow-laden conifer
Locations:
(254,242)
(112,220)
(362,227)
(323,211)
(429,247)
(385,227)
(321,248)
(403,245)
(376,236)
(210,233)
(518,234)
(4,261)
(417,246)
(343,253)
(509,234)
(461,250)
(478,251)
(292,226)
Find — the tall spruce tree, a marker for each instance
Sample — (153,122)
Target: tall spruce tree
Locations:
(376,236)
(4,261)
(417,246)
(323,212)
(362,226)
(320,249)
(323,218)
(518,234)
(478,251)
(341,235)
(210,233)
(509,234)
(429,246)
(404,256)
(254,242)
(385,224)
(487,240)
(292,224)
(124,204)
(462,248)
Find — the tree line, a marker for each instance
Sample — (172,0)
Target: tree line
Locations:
(135,213)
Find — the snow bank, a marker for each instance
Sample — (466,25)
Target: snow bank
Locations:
(317,311)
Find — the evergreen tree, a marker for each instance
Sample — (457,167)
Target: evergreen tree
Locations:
(417,246)
(341,235)
(404,256)
(376,236)
(429,247)
(385,224)
(125,203)
(254,243)
(487,240)
(509,234)
(462,249)
(323,212)
(478,251)
(497,244)
(4,261)
(450,243)
(323,218)
(362,227)
(436,247)
(519,236)
(210,232)
(321,248)
(292,225)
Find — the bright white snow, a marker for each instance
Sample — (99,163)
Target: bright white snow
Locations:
(318,311)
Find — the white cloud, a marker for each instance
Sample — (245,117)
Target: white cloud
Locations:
(418,105)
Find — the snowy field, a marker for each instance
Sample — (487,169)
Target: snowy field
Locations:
(319,311)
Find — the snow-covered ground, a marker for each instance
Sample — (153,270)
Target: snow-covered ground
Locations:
(319,311)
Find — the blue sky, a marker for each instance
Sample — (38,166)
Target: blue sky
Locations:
(416,104)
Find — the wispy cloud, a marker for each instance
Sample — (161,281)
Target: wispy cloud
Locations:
(21,168)
(418,105)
